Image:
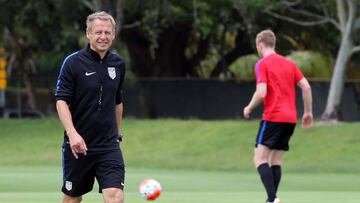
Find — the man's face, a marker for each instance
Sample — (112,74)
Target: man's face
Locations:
(101,35)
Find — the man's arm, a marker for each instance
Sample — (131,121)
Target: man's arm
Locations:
(77,144)
(119,112)
(256,100)
(307,119)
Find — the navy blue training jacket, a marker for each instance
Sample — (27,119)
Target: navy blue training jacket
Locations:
(92,87)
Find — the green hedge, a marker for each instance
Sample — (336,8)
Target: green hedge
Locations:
(243,67)
(313,64)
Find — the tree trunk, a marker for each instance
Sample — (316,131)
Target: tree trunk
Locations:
(332,111)
(170,59)
(20,59)
(243,47)
(29,90)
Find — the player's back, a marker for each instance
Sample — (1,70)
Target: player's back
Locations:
(281,76)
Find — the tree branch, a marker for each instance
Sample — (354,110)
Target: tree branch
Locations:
(243,47)
(341,14)
(317,19)
(357,23)
(195,10)
(351,15)
(314,15)
(119,17)
(95,5)
(326,13)
(32,65)
(130,26)
(355,49)
(300,22)
(290,3)
(306,13)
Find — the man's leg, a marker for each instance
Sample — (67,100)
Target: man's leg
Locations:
(261,158)
(68,199)
(111,175)
(275,162)
(113,195)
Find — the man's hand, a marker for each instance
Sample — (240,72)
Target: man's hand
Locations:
(77,144)
(307,120)
(247,111)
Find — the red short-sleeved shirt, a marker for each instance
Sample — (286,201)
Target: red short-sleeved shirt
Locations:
(281,76)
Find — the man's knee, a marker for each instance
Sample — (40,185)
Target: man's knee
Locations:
(113,195)
(258,160)
(261,155)
(69,199)
(276,157)
(118,197)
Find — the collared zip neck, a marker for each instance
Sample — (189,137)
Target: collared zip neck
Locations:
(96,56)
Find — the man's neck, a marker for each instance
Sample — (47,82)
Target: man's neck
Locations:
(102,54)
(267,52)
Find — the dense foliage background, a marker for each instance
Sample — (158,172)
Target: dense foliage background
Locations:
(185,39)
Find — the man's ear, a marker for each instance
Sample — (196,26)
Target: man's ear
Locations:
(87,35)
(261,45)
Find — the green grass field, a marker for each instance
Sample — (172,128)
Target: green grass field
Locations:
(195,161)
(41,184)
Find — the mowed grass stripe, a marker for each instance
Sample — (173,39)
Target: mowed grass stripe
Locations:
(189,144)
(48,179)
(42,184)
(197,197)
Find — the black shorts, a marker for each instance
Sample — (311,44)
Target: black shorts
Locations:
(275,135)
(79,174)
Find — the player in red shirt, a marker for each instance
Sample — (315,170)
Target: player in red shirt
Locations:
(276,81)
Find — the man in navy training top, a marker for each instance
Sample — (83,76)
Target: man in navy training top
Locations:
(89,104)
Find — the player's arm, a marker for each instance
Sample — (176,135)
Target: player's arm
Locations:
(64,92)
(119,112)
(256,100)
(119,108)
(77,144)
(307,119)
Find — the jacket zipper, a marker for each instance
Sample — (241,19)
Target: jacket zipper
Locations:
(100,92)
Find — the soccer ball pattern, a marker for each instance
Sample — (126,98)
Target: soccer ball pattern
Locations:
(150,189)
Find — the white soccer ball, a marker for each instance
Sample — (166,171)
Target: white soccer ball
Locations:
(150,189)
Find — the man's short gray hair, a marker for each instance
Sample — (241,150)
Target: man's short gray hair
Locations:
(102,15)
